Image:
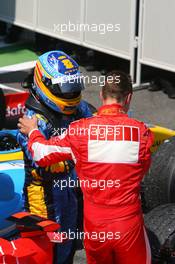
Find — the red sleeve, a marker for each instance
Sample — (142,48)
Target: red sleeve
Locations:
(47,152)
(148,138)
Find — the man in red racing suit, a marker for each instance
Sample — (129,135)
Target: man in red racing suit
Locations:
(112,154)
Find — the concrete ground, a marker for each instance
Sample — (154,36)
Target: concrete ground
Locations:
(151,107)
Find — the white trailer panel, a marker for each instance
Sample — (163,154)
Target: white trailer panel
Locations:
(69,20)
(59,18)
(111,12)
(7,10)
(158,38)
(19,12)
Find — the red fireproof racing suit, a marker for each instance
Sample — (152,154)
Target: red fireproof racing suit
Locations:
(112,154)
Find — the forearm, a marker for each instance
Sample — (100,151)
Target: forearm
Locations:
(47,152)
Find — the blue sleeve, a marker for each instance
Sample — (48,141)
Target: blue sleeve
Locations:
(23,140)
(84,110)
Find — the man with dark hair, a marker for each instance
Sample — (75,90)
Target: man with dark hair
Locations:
(118,85)
(112,154)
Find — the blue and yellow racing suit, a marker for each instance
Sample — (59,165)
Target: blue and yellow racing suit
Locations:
(47,191)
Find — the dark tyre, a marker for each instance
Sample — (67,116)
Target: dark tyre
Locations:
(159,184)
(160,225)
(2,109)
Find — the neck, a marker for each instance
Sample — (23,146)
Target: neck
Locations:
(109,101)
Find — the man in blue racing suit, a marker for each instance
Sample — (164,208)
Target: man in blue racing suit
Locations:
(55,98)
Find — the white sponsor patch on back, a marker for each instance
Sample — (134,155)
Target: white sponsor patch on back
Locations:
(113,144)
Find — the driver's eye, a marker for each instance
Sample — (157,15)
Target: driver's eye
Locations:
(46,81)
(55,89)
(70,95)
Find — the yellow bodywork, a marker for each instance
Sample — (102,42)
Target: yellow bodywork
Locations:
(160,135)
(18,155)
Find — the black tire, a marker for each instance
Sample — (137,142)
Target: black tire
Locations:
(2,109)
(159,184)
(160,225)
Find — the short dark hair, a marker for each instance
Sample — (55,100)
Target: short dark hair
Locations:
(117,85)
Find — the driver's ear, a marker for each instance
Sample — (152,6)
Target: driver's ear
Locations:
(128,99)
